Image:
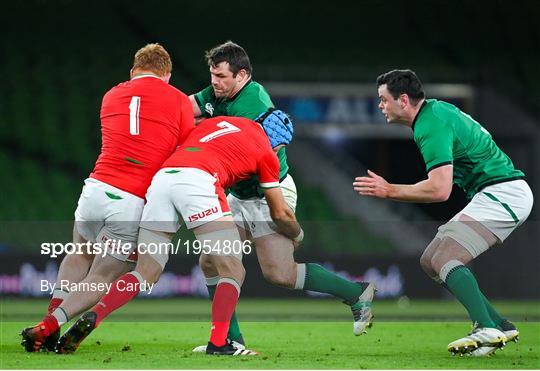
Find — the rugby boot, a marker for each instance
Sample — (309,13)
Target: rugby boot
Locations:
(229,350)
(40,336)
(361,310)
(73,337)
(479,337)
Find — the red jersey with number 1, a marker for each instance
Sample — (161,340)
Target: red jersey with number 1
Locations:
(231,149)
(142,122)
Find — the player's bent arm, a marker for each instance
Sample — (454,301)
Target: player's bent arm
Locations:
(196,110)
(282,214)
(436,188)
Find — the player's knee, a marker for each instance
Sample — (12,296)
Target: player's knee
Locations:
(80,260)
(149,269)
(278,277)
(151,274)
(228,266)
(206,265)
(108,269)
(101,277)
(439,259)
(425,262)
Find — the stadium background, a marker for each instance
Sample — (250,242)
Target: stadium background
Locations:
(319,62)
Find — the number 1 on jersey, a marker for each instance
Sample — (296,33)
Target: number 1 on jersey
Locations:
(134,107)
(227,128)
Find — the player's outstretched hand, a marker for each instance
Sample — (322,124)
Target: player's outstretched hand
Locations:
(372,185)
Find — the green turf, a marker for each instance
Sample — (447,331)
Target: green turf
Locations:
(289,334)
(289,345)
(304,309)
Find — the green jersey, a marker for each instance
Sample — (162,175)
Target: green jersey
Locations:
(445,135)
(249,102)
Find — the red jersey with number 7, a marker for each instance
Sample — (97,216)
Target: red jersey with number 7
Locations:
(231,149)
(142,122)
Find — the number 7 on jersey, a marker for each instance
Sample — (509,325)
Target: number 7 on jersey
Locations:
(227,128)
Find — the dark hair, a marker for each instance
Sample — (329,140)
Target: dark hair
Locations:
(402,82)
(231,53)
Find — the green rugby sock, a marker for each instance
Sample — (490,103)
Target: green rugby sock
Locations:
(462,283)
(322,280)
(234,327)
(495,316)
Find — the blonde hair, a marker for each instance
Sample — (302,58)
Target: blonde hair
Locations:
(153,57)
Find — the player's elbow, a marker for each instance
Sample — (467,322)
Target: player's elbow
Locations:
(442,194)
(280,214)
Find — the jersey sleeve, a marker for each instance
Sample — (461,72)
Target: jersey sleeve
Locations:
(187,121)
(268,170)
(205,96)
(435,144)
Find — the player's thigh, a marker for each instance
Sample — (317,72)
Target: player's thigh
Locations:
(159,213)
(77,237)
(497,210)
(107,269)
(79,240)
(106,213)
(90,213)
(256,212)
(447,251)
(153,249)
(197,196)
(238,214)
(121,229)
(463,238)
(150,266)
(275,253)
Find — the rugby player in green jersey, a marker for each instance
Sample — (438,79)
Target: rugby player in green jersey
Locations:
(233,93)
(456,149)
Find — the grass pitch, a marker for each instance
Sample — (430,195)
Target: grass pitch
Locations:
(289,334)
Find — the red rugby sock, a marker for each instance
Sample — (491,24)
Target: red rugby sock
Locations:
(223,306)
(116,298)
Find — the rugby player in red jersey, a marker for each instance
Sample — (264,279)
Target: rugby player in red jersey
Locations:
(218,153)
(143,120)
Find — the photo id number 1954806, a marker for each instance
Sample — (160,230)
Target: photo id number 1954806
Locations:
(225,247)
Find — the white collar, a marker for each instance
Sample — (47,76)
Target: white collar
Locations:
(145,75)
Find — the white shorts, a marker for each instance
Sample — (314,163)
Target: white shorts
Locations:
(501,208)
(190,192)
(106,213)
(253,214)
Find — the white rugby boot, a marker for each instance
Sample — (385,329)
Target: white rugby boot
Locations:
(510,331)
(479,337)
(361,310)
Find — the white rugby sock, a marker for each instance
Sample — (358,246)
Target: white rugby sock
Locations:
(446,268)
(230,281)
(300,276)
(60,294)
(138,276)
(60,316)
(212,281)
